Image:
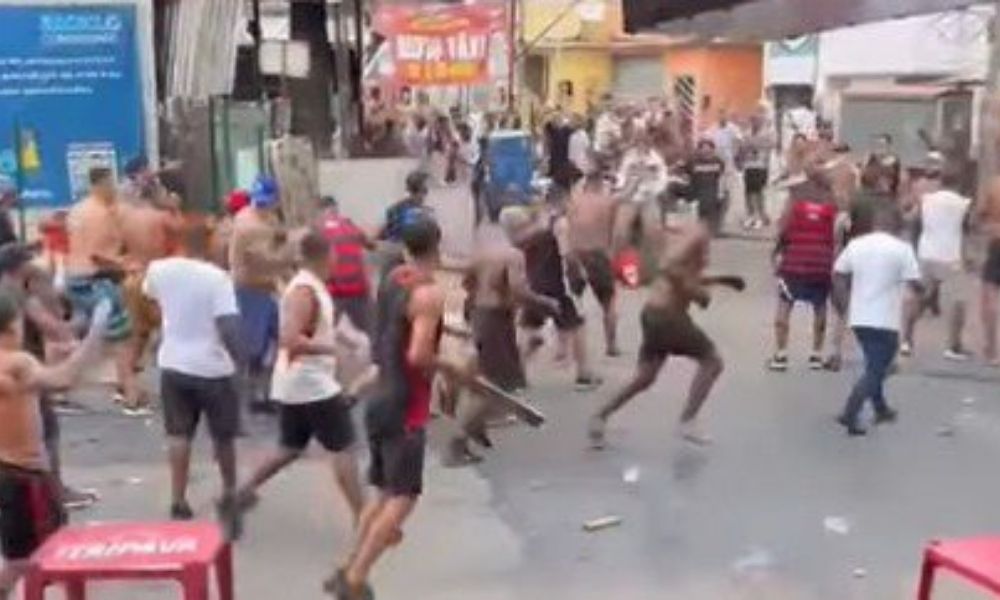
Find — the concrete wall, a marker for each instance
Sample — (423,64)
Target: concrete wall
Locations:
(947,43)
(365,188)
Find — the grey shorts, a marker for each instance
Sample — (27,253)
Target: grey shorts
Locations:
(187,397)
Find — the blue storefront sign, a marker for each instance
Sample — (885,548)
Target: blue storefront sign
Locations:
(70,89)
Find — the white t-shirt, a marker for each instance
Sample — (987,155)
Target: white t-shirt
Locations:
(942,217)
(879,264)
(192,294)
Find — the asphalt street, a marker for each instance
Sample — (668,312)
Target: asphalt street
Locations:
(782,506)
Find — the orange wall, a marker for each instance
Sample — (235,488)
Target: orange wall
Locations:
(731,75)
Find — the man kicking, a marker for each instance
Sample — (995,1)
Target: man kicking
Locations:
(310,399)
(668,330)
(410,321)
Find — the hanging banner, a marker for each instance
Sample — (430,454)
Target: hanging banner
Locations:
(440,44)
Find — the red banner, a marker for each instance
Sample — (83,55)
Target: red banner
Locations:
(440,44)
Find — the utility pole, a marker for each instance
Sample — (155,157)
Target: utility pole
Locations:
(989,110)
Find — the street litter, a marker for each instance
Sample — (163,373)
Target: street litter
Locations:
(756,559)
(838,525)
(134,480)
(631,475)
(602,523)
(859,573)
(968,401)
(946,431)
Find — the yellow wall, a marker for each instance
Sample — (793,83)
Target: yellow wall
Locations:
(539,14)
(589,70)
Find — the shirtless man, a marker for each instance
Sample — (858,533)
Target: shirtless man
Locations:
(29,493)
(497,283)
(591,219)
(668,330)
(151,231)
(95,267)
(257,258)
(411,315)
(989,222)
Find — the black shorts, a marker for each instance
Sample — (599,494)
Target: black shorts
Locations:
(754,180)
(187,397)
(357,308)
(397,465)
(991,268)
(567,319)
(30,510)
(328,421)
(668,333)
(600,274)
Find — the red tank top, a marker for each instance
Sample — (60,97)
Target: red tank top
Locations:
(809,241)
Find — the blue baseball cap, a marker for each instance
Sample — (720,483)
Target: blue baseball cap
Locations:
(264,192)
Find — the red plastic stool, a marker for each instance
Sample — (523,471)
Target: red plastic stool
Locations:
(123,551)
(975,559)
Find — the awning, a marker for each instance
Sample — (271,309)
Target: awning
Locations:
(769,19)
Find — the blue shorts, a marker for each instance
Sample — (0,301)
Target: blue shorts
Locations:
(804,290)
(259,319)
(84,294)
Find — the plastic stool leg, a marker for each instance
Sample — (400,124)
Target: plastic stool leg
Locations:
(76,589)
(224,572)
(34,586)
(194,581)
(926,578)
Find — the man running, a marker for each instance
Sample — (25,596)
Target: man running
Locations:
(347,277)
(705,172)
(197,359)
(591,219)
(804,256)
(30,508)
(943,219)
(668,330)
(95,267)
(497,284)
(410,308)
(312,403)
(989,222)
(543,253)
(875,267)
(257,258)
(408,210)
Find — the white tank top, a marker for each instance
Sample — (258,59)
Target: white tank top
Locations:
(310,377)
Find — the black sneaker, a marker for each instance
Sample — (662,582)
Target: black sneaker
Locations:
(889,416)
(181,512)
(778,363)
(815,362)
(853,429)
(588,383)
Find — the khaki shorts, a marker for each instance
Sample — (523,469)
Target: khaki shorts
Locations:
(936,272)
(143,311)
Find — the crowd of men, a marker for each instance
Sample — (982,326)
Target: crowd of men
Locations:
(255,316)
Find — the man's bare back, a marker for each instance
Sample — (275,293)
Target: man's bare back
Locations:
(95,229)
(989,211)
(591,218)
(681,269)
(148,232)
(495,266)
(255,242)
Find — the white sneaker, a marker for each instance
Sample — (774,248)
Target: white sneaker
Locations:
(905,349)
(691,432)
(957,355)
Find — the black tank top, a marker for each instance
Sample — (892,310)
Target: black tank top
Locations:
(402,396)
